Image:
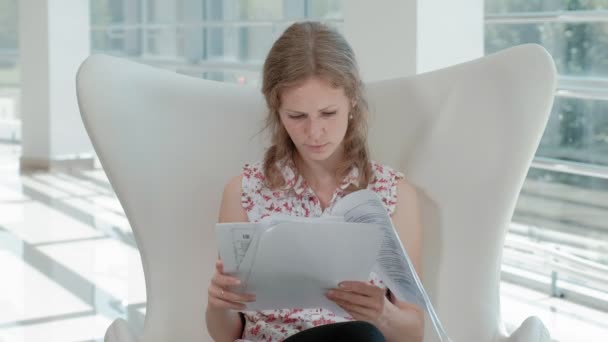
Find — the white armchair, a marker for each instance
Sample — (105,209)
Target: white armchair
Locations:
(464,136)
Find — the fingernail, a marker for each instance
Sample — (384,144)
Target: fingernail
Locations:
(237,282)
(341,285)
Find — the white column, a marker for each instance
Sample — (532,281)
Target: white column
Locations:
(396,38)
(449,32)
(132,15)
(192,12)
(165,13)
(54,39)
(231,37)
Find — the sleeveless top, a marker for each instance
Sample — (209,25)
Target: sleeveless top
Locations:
(298,199)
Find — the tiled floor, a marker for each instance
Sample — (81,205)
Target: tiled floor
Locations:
(70,264)
(69,254)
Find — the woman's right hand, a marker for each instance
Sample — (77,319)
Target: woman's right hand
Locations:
(220,295)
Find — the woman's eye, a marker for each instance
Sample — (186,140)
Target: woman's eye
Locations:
(296,116)
(329,113)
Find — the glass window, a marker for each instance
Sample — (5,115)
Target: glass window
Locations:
(10,75)
(558,240)
(577,131)
(220,40)
(9,43)
(579,49)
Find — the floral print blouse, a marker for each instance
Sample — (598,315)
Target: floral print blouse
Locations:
(298,199)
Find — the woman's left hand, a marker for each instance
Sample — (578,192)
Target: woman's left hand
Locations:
(362,300)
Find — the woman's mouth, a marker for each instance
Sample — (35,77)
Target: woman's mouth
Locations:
(316,148)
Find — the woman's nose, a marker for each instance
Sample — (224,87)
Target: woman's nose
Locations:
(316,128)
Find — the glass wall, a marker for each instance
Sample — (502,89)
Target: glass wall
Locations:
(212,39)
(559,238)
(224,40)
(10,129)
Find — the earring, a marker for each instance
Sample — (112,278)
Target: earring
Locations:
(350,117)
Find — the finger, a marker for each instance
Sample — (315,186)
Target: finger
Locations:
(223,304)
(223,280)
(226,295)
(358,312)
(219,266)
(361,287)
(354,298)
(219,299)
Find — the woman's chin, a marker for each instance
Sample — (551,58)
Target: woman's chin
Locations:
(318,156)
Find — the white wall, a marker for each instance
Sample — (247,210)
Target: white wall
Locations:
(448,32)
(383,36)
(396,38)
(53,41)
(35,94)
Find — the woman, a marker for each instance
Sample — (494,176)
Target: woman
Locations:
(318,123)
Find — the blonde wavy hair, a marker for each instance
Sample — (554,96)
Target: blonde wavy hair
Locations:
(304,50)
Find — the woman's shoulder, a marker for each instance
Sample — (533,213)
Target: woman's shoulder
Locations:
(255,195)
(384,173)
(249,171)
(230,208)
(254,167)
(253,175)
(385,181)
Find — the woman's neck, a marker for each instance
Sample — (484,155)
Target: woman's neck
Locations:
(319,174)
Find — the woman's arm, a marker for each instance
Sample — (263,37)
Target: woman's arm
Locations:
(404,321)
(225,324)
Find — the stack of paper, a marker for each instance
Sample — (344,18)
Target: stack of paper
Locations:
(291,262)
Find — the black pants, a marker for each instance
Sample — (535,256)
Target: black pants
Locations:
(346,331)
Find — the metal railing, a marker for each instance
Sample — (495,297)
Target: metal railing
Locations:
(547,17)
(573,168)
(556,268)
(586,88)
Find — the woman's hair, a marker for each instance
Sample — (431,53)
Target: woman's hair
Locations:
(304,50)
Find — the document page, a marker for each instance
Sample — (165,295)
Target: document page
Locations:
(235,238)
(290,262)
(297,263)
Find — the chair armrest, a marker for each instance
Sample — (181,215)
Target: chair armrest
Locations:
(119,331)
(531,330)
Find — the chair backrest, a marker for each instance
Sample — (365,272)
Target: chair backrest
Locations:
(464,136)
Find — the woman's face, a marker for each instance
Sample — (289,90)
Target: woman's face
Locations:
(315,115)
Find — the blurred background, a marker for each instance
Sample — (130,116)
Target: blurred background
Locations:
(68,258)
